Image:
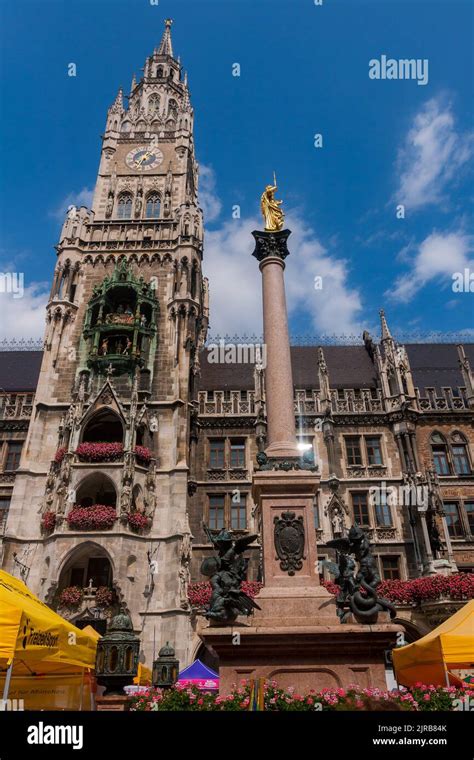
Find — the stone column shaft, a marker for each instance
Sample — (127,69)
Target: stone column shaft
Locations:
(281,431)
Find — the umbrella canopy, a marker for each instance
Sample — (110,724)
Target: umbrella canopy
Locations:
(198,674)
(450,645)
(36,639)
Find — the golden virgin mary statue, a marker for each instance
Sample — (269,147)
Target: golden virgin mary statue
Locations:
(270,207)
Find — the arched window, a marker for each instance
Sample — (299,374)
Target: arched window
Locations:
(173,109)
(462,466)
(124,207)
(153,104)
(153,206)
(103,427)
(193,281)
(159,72)
(439,450)
(62,294)
(96,489)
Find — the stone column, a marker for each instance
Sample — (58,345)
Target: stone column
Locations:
(284,486)
(428,563)
(271,250)
(449,546)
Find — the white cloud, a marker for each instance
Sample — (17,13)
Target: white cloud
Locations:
(432,155)
(24,317)
(235,281)
(83,198)
(208,198)
(439,255)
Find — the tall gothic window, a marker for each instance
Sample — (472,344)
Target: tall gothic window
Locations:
(153,206)
(360,508)
(439,450)
(462,466)
(172,109)
(453,519)
(469,507)
(216,452)
(217,511)
(383,513)
(153,104)
(238,513)
(124,207)
(374,449)
(12,460)
(237,453)
(353,450)
(390,568)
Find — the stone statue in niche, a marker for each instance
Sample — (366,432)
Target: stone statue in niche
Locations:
(139,501)
(110,206)
(337,521)
(125,497)
(435,537)
(138,205)
(184,575)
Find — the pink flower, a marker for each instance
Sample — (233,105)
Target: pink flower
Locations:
(138,521)
(60,454)
(143,454)
(48,521)
(100,452)
(96,517)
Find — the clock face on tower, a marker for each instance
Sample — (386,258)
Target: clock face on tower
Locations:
(144,158)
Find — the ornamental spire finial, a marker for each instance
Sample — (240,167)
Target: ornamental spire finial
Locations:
(385,331)
(166,47)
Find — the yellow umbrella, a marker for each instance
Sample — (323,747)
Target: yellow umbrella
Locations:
(450,645)
(34,639)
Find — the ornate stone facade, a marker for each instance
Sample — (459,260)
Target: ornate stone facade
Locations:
(122,409)
(125,322)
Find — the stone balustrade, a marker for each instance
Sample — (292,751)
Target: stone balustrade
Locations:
(16,406)
(343,401)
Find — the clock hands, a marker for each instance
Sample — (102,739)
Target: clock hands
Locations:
(144,157)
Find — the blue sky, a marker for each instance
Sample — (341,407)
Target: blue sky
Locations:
(304,70)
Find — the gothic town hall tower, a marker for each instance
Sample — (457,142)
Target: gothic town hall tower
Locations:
(99,508)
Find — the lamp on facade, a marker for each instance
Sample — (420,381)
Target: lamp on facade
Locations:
(165,668)
(117,655)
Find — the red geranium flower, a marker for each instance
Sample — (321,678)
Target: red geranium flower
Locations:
(100,452)
(97,517)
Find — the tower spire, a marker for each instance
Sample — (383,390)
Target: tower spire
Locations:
(385,331)
(166,47)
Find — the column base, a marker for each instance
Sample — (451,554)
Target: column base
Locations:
(283,450)
(113,703)
(305,657)
(440,567)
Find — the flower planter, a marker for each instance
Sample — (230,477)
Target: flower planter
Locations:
(48,522)
(104,597)
(138,522)
(97,517)
(71,597)
(60,454)
(416,591)
(143,455)
(420,698)
(99,452)
(199,594)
